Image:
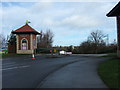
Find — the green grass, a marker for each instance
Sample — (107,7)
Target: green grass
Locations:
(12,55)
(109,72)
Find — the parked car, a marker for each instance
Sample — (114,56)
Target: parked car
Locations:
(62,52)
(65,53)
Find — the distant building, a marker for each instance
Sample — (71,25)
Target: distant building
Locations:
(26,40)
(115,12)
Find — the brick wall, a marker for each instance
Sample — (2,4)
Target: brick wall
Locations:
(34,38)
(12,48)
(27,36)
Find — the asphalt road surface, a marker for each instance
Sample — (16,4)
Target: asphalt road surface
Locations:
(73,71)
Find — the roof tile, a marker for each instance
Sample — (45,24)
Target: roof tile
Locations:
(25,29)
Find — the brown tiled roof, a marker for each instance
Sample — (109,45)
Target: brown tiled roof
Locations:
(25,29)
(115,11)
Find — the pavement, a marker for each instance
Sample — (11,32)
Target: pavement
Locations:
(91,55)
(81,74)
(73,71)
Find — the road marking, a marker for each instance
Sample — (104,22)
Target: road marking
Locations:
(8,66)
(15,68)
(24,66)
(8,63)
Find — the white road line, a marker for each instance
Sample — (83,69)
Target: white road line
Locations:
(6,66)
(15,68)
(24,66)
(10,68)
(8,63)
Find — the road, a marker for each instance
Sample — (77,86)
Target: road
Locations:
(23,72)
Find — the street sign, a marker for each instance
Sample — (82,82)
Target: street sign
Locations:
(55,50)
(50,50)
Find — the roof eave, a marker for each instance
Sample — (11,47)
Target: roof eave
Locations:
(26,32)
(113,14)
(114,11)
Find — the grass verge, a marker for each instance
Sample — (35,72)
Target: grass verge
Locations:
(109,72)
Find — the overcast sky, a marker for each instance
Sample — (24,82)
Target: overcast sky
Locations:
(71,22)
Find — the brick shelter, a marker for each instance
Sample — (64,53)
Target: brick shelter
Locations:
(115,12)
(26,41)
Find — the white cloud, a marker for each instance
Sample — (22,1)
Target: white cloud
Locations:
(0,17)
(64,19)
(60,0)
(80,21)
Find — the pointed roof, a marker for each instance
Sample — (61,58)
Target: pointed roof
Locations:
(25,29)
(115,11)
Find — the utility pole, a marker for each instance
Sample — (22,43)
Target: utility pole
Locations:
(107,39)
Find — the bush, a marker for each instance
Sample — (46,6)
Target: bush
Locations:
(89,49)
(43,50)
(46,50)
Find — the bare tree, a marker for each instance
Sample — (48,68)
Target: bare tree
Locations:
(96,38)
(1,36)
(49,38)
(46,39)
(3,41)
(39,39)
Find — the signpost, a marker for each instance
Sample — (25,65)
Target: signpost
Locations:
(55,50)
